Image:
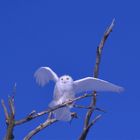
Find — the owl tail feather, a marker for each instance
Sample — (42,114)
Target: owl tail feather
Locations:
(61,114)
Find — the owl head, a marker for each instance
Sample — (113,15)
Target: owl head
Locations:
(65,79)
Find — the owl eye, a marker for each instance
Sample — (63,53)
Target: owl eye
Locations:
(62,79)
(67,78)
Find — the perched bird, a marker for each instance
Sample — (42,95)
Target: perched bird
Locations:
(66,88)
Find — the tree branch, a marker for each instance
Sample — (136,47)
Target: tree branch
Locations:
(5,111)
(34,115)
(85,131)
(10,119)
(81,106)
(96,73)
(11,106)
(42,126)
(47,123)
(100,48)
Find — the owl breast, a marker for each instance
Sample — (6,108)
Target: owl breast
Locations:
(63,92)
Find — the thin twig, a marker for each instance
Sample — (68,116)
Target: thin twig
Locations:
(96,73)
(85,131)
(5,111)
(14,91)
(81,106)
(11,106)
(94,120)
(99,109)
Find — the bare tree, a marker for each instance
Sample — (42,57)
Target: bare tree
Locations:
(91,108)
(87,123)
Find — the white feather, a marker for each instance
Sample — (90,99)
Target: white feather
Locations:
(95,84)
(63,114)
(44,74)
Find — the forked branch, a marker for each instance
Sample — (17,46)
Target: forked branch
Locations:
(10,119)
(87,123)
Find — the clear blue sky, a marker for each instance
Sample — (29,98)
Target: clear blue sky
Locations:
(64,35)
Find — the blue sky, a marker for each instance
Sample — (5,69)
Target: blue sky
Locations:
(64,35)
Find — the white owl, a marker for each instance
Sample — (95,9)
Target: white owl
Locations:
(66,88)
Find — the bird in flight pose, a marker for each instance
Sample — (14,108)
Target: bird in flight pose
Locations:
(66,89)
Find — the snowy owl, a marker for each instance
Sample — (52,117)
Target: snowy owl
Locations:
(66,88)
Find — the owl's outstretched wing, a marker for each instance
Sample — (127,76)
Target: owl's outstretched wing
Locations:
(95,84)
(44,74)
